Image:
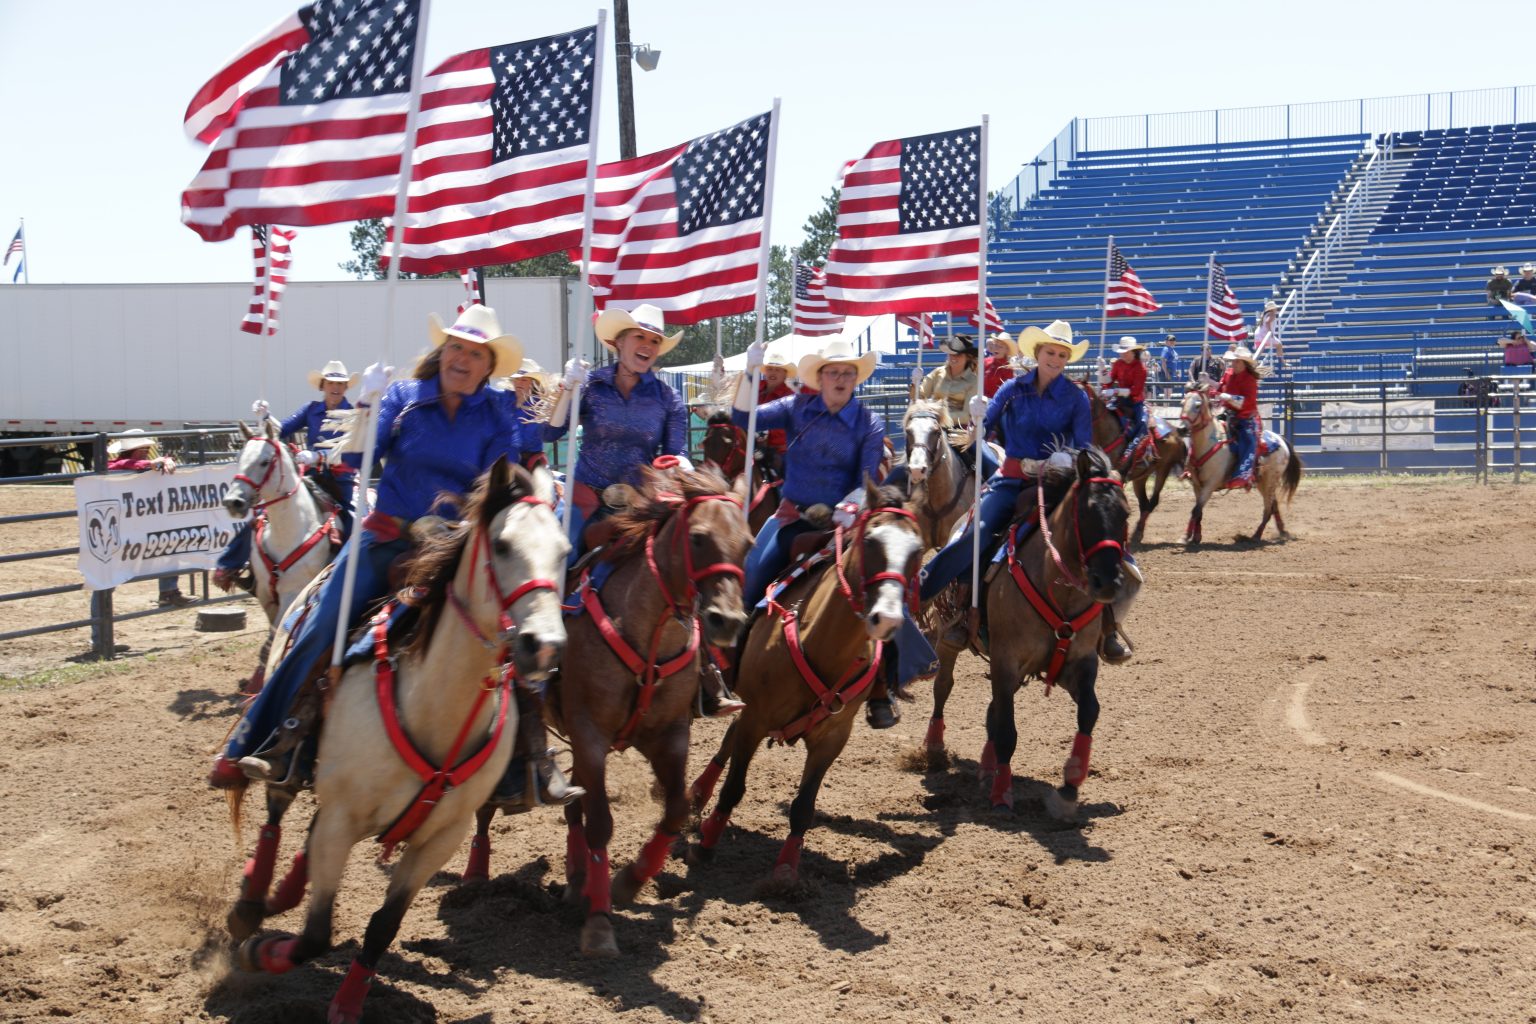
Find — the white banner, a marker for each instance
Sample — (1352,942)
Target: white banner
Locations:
(1356,426)
(144,523)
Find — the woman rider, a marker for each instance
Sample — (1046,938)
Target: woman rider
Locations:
(525,392)
(629,416)
(1239,392)
(998,366)
(952,384)
(435,434)
(1125,389)
(1036,416)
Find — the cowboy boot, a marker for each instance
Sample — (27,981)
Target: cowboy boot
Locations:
(1111,647)
(716,699)
(532,778)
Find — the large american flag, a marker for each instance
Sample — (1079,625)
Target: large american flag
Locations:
(319,139)
(1223,319)
(271,250)
(994,322)
(1123,292)
(474,287)
(921,324)
(909,227)
(811,318)
(683,228)
(502,153)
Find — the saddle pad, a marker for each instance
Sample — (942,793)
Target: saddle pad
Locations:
(1160,428)
(1269,441)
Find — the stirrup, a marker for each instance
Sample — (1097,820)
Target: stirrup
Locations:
(531,782)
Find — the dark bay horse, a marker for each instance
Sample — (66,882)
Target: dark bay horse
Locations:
(725,447)
(1154,458)
(808,662)
(1044,619)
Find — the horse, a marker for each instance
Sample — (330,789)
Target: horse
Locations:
(1045,619)
(1212,460)
(1154,457)
(487,611)
(808,663)
(725,447)
(293,530)
(941,487)
(631,673)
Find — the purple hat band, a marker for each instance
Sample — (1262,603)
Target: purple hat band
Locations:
(472,331)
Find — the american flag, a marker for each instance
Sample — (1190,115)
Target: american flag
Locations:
(909,227)
(474,287)
(319,139)
(1123,292)
(994,322)
(221,97)
(265,302)
(1222,317)
(499,173)
(18,247)
(922,324)
(811,319)
(683,228)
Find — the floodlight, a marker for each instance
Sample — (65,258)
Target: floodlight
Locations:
(646,57)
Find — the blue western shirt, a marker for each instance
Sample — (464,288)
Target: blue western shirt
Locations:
(1031,425)
(828,455)
(311,418)
(618,434)
(528,433)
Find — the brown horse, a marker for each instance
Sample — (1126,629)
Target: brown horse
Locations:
(942,489)
(1155,457)
(631,672)
(725,447)
(1044,610)
(807,663)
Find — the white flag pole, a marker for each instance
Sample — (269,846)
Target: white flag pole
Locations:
(762,290)
(589,212)
(266,307)
(370,435)
(26,255)
(1109,246)
(978,426)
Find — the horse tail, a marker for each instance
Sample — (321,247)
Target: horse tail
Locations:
(1292,477)
(234,796)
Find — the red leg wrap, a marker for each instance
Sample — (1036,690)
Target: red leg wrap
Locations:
(479,867)
(710,831)
(275,956)
(790,854)
(1075,771)
(653,855)
(575,852)
(290,891)
(258,870)
(934,738)
(986,767)
(599,878)
(1002,787)
(704,786)
(347,1005)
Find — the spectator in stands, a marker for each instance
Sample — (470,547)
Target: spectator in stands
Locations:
(1206,364)
(1498,286)
(998,366)
(136,455)
(1525,288)
(1477,392)
(1265,333)
(1168,364)
(1519,351)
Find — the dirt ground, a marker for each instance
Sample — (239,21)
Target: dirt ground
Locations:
(1312,799)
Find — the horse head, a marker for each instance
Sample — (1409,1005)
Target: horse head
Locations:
(264,472)
(725,444)
(924,426)
(1102,515)
(1195,411)
(888,549)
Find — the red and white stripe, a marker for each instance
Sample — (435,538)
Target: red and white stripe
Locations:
(265,303)
(1223,317)
(811,318)
(472,297)
(922,324)
(1124,294)
(994,322)
(282,257)
(221,97)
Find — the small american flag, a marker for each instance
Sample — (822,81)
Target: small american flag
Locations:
(1123,292)
(319,137)
(811,318)
(270,249)
(994,322)
(17,247)
(909,227)
(921,324)
(474,287)
(1223,319)
(683,228)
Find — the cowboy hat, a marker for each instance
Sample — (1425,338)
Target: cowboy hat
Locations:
(959,345)
(333,370)
(1059,332)
(479,324)
(776,356)
(529,369)
(131,444)
(1006,340)
(1170,336)
(1241,354)
(838,350)
(613,322)
(1270,305)
(1128,344)
(1528,268)
(1500,272)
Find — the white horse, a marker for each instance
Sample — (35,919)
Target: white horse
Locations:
(490,611)
(292,528)
(1212,460)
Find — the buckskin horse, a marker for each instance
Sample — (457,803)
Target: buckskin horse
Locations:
(1154,456)
(809,659)
(417,735)
(1212,460)
(631,674)
(1044,612)
(941,487)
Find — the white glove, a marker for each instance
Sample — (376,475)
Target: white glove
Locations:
(684,464)
(575,373)
(756,352)
(1236,400)
(261,409)
(306,458)
(1123,392)
(165,464)
(1059,460)
(845,515)
(719,366)
(1204,379)
(977,407)
(917,377)
(375,380)
(1106,393)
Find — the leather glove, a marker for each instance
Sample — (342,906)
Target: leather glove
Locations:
(977,407)
(756,352)
(375,380)
(575,373)
(306,458)
(1059,460)
(845,515)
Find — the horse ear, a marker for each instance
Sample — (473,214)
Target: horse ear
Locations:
(872,499)
(271,427)
(1085,467)
(245,431)
(497,479)
(543,484)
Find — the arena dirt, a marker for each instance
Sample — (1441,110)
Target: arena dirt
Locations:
(1312,799)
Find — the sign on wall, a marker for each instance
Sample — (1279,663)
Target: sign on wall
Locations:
(139,524)
(1357,426)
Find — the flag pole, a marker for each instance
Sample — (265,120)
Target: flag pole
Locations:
(370,435)
(762,292)
(1109,247)
(588,214)
(26,255)
(979,425)
(266,304)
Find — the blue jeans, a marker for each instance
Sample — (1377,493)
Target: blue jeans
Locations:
(1135,414)
(238,553)
(1245,443)
(313,640)
(769,556)
(995,513)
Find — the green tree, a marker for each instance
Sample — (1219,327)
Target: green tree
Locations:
(368,244)
(821,230)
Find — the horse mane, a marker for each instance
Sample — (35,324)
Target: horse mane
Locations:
(654,500)
(885,497)
(720,417)
(928,407)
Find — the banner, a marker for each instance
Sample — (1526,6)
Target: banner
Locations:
(1356,426)
(140,524)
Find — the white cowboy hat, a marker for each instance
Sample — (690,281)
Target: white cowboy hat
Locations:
(1528,268)
(613,322)
(333,370)
(479,324)
(131,444)
(1270,305)
(529,369)
(778,357)
(1128,344)
(1006,339)
(1058,332)
(838,350)
(1241,354)
(1500,272)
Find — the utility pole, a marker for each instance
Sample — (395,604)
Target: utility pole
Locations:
(621,50)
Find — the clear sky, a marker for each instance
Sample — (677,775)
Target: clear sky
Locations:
(93,91)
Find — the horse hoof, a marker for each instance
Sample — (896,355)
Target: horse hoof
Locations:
(597,937)
(244,918)
(625,886)
(938,758)
(1059,806)
(699,856)
(573,887)
(269,954)
(785,875)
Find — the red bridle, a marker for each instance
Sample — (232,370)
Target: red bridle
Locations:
(275,463)
(692,576)
(504,601)
(860,527)
(1078,498)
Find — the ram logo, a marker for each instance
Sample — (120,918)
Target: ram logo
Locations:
(103,533)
